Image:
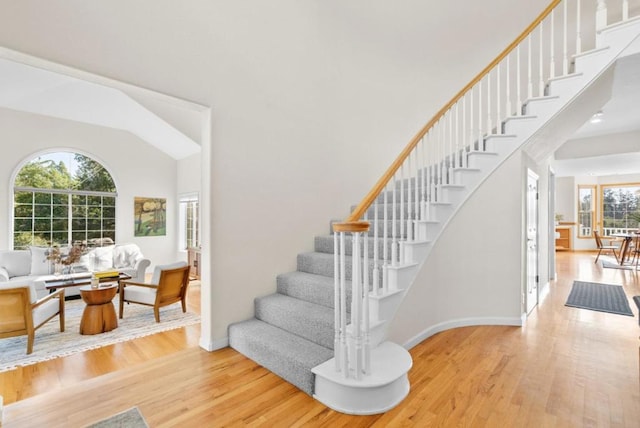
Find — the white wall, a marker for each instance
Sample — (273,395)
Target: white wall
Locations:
(137,168)
(475,272)
(311,101)
(566,202)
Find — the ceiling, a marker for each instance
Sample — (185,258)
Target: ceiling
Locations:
(35,90)
(368,61)
(621,114)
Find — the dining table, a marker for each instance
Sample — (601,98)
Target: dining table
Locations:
(627,244)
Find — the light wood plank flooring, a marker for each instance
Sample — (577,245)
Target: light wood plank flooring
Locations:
(566,367)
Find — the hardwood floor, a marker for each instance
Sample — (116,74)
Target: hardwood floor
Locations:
(566,367)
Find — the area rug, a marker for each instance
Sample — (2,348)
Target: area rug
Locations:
(128,419)
(610,265)
(599,297)
(50,343)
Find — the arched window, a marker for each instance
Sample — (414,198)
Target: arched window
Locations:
(61,198)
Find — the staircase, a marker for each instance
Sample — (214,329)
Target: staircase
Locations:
(311,332)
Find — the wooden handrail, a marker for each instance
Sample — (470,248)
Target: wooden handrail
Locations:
(364,205)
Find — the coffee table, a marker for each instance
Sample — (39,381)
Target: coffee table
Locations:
(99,315)
(63,281)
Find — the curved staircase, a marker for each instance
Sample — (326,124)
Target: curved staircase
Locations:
(311,332)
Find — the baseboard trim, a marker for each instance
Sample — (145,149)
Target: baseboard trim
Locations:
(215,344)
(462,322)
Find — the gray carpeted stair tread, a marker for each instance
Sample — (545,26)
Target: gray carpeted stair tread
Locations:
(324,244)
(322,264)
(289,356)
(308,320)
(310,287)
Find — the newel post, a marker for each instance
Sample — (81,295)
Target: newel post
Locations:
(351,337)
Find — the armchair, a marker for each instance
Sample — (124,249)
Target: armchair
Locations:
(168,285)
(21,313)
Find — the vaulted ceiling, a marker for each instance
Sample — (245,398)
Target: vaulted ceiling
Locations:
(340,66)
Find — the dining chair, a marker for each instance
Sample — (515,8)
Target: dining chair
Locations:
(21,313)
(602,247)
(168,285)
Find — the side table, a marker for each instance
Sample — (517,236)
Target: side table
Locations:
(99,315)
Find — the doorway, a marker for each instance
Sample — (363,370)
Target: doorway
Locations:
(531,295)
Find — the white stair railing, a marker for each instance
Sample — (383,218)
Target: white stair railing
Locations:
(432,157)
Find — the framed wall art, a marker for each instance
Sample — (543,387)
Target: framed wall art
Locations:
(150,216)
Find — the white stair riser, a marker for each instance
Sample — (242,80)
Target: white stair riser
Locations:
(484,161)
(464,176)
(500,144)
(384,307)
(591,62)
(541,107)
(401,277)
(416,251)
(435,211)
(515,125)
(426,229)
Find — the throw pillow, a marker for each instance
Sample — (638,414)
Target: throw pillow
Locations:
(103,258)
(4,275)
(126,255)
(16,262)
(39,263)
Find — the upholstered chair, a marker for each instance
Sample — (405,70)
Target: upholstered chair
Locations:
(21,313)
(168,285)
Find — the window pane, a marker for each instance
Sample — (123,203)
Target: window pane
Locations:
(619,205)
(94,212)
(42,237)
(79,200)
(78,236)
(23,211)
(23,225)
(42,198)
(109,224)
(42,211)
(41,225)
(60,224)
(94,224)
(60,199)
(60,238)
(79,211)
(60,211)
(24,197)
(48,213)
(109,212)
(79,224)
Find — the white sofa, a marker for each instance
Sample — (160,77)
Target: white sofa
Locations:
(31,267)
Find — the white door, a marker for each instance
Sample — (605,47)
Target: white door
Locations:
(532,241)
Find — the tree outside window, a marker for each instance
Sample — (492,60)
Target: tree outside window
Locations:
(619,205)
(61,198)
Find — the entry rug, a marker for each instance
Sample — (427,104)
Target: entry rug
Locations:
(599,297)
(128,419)
(50,343)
